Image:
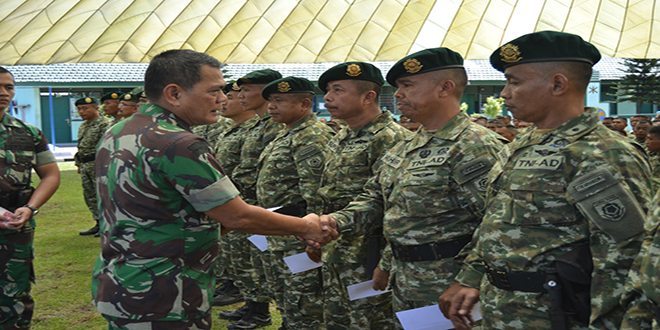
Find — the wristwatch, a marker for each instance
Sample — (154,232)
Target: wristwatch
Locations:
(34,210)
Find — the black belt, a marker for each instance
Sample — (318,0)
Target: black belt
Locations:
(516,281)
(430,251)
(86,159)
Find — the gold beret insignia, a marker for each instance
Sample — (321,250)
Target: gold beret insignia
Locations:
(510,53)
(127,97)
(114,96)
(283,87)
(412,65)
(235,87)
(353,70)
(88,100)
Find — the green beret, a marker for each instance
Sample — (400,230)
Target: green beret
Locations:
(423,61)
(231,86)
(130,97)
(288,85)
(545,46)
(259,77)
(85,100)
(110,96)
(351,71)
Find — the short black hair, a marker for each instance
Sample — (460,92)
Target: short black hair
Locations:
(364,86)
(176,66)
(655,130)
(621,118)
(4,70)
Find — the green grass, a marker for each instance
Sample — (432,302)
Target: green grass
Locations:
(63,263)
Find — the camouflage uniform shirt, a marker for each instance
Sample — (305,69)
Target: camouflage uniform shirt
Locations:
(89,135)
(531,219)
(228,144)
(155,179)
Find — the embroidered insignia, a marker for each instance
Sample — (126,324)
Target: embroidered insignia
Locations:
(510,53)
(611,209)
(88,100)
(424,153)
(482,184)
(412,65)
(114,96)
(283,87)
(127,97)
(353,70)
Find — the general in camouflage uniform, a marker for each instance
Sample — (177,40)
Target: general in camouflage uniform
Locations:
(429,188)
(161,192)
(22,149)
(110,104)
(352,159)
(290,171)
(89,135)
(566,201)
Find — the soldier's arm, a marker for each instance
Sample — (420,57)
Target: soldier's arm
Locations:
(357,217)
(310,161)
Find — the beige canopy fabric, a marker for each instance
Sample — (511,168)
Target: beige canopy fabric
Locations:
(309,31)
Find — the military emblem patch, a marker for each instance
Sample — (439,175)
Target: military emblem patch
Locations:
(283,87)
(482,184)
(610,208)
(114,96)
(88,100)
(510,53)
(353,70)
(127,97)
(412,65)
(424,153)
(235,87)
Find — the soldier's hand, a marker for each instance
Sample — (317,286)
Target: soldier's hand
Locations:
(5,218)
(381,278)
(21,216)
(457,303)
(319,232)
(314,254)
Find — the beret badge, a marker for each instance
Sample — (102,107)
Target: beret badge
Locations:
(235,87)
(88,100)
(353,70)
(510,53)
(283,87)
(412,65)
(127,97)
(114,96)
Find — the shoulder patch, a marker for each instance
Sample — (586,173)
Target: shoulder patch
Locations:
(308,151)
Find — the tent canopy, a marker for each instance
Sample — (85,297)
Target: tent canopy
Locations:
(309,31)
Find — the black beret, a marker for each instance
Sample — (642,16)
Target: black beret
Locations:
(85,100)
(139,91)
(259,77)
(288,85)
(423,61)
(544,46)
(110,96)
(130,97)
(231,86)
(351,71)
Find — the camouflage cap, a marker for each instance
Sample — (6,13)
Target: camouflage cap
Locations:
(351,71)
(260,77)
(110,96)
(231,86)
(85,100)
(544,46)
(288,85)
(130,97)
(423,61)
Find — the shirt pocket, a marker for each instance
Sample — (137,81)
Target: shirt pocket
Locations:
(540,199)
(424,192)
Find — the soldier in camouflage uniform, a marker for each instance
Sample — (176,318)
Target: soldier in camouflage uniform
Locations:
(429,189)
(128,104)
(255,311)
(351,94)
(161,194)
(653,148)
(566,201)
(110,104)
(290,171)
(23,148)
(89,135)
(213,131)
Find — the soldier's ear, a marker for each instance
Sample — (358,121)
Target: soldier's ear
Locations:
(559,84)
(171,94)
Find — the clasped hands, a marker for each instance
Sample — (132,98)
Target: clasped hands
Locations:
(14,220)
(321,230)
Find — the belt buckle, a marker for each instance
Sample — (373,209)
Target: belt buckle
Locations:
(498,278)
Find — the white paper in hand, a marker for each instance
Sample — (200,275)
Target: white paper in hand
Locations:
(300,262)
(363,290)
(259,241)
(430,317)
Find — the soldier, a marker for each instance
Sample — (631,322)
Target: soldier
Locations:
(128,104)
(235,273)
(429,189)
(110,104)
(566,201)
(255,311)
(640,131)
(653,148)
(619,125)
(162,193)
(89,135)
(22,149)
(290,171)
(351,95)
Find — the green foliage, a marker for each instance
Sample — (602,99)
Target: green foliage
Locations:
(64,260)
(493,107)
(641,84)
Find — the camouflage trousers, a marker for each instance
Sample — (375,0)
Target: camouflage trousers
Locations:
(420,283)
(16,276)
(299,296)
(89,187)
(125,324)
(240,267)
(341,313)
(222,269)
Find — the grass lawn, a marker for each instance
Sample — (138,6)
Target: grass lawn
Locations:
(63,263)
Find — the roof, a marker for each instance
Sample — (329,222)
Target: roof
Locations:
(478,70)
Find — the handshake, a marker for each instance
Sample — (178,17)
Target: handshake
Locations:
(320,230)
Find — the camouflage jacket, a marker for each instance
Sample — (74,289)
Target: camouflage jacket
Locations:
(654,159)
(212,131)
(290,169)
(89,135)
(256,139)
(228,144)
(545,195)
(353,157)
(429,187)
(154,181)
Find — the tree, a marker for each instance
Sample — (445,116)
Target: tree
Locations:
(641,84)
(493,107)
